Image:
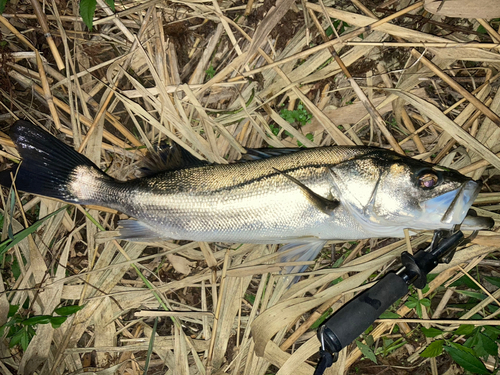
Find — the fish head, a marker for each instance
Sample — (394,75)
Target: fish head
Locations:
(386,192)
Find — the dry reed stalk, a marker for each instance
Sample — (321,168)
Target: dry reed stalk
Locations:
(144,75)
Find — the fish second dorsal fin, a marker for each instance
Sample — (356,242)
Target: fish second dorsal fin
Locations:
(266,153)
(170,158)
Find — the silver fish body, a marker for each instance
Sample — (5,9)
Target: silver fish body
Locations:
(243,202)
(305,196)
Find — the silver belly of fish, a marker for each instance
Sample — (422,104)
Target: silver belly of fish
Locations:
(272,210)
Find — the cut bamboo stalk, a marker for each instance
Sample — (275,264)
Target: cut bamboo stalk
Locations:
(467,95)
(42,20)
(342,39)
(375,115)
(46,91)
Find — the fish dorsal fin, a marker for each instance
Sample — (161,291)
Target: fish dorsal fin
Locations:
(266,153)
(170,158)
(323,204)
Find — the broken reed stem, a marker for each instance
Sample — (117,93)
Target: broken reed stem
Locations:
(308,323)
(475,166)
(217,313)
(424,44)
(466,94)
(478,284)
(47,95)
(97,118)
(370,108)
(449,109)
(14,31)
(444,151)
(42,20)
(342,39)
(493,33)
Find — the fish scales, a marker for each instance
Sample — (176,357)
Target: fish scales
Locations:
(241,202)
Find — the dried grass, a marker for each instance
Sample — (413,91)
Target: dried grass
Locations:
(211,79)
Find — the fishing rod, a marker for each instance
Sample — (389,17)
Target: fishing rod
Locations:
(357,315)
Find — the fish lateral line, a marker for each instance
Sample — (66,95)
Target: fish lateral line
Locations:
(327,206)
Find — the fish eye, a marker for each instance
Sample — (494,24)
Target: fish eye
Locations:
(428,180)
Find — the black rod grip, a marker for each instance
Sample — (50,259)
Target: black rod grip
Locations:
(357,315)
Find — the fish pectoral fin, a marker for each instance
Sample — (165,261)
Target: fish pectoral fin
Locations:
(325,205)
(134,230)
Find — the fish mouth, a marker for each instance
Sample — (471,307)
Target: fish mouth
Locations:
(466,195)
(458,202)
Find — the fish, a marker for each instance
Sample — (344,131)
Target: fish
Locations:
(300,197)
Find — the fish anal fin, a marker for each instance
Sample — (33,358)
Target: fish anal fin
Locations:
(325,205)
(134,230)
(300,252)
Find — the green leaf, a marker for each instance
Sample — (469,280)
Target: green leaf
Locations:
(12,310)
(3,3)
(461,347)
(38,319)
(468,293)
(150,346)
(389,315)
(336,281)
(473,340)
(250,298)
(493,280)
(490,347)
(16,270)
(210,72)
(369,340)
(18,237)
(418,309)
(431,332)
(464,329)
(492,332)
(412,302)
(481,30)
(57,321)
(87,11)
(16,339)
(321,319)
(465,281)
(68,310)
(425,302)
(111,4)
(14,320)
(366,350)
(466,360)
(434,349)
(25,340)
(31,331)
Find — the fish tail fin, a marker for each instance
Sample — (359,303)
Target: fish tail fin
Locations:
(51,168)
